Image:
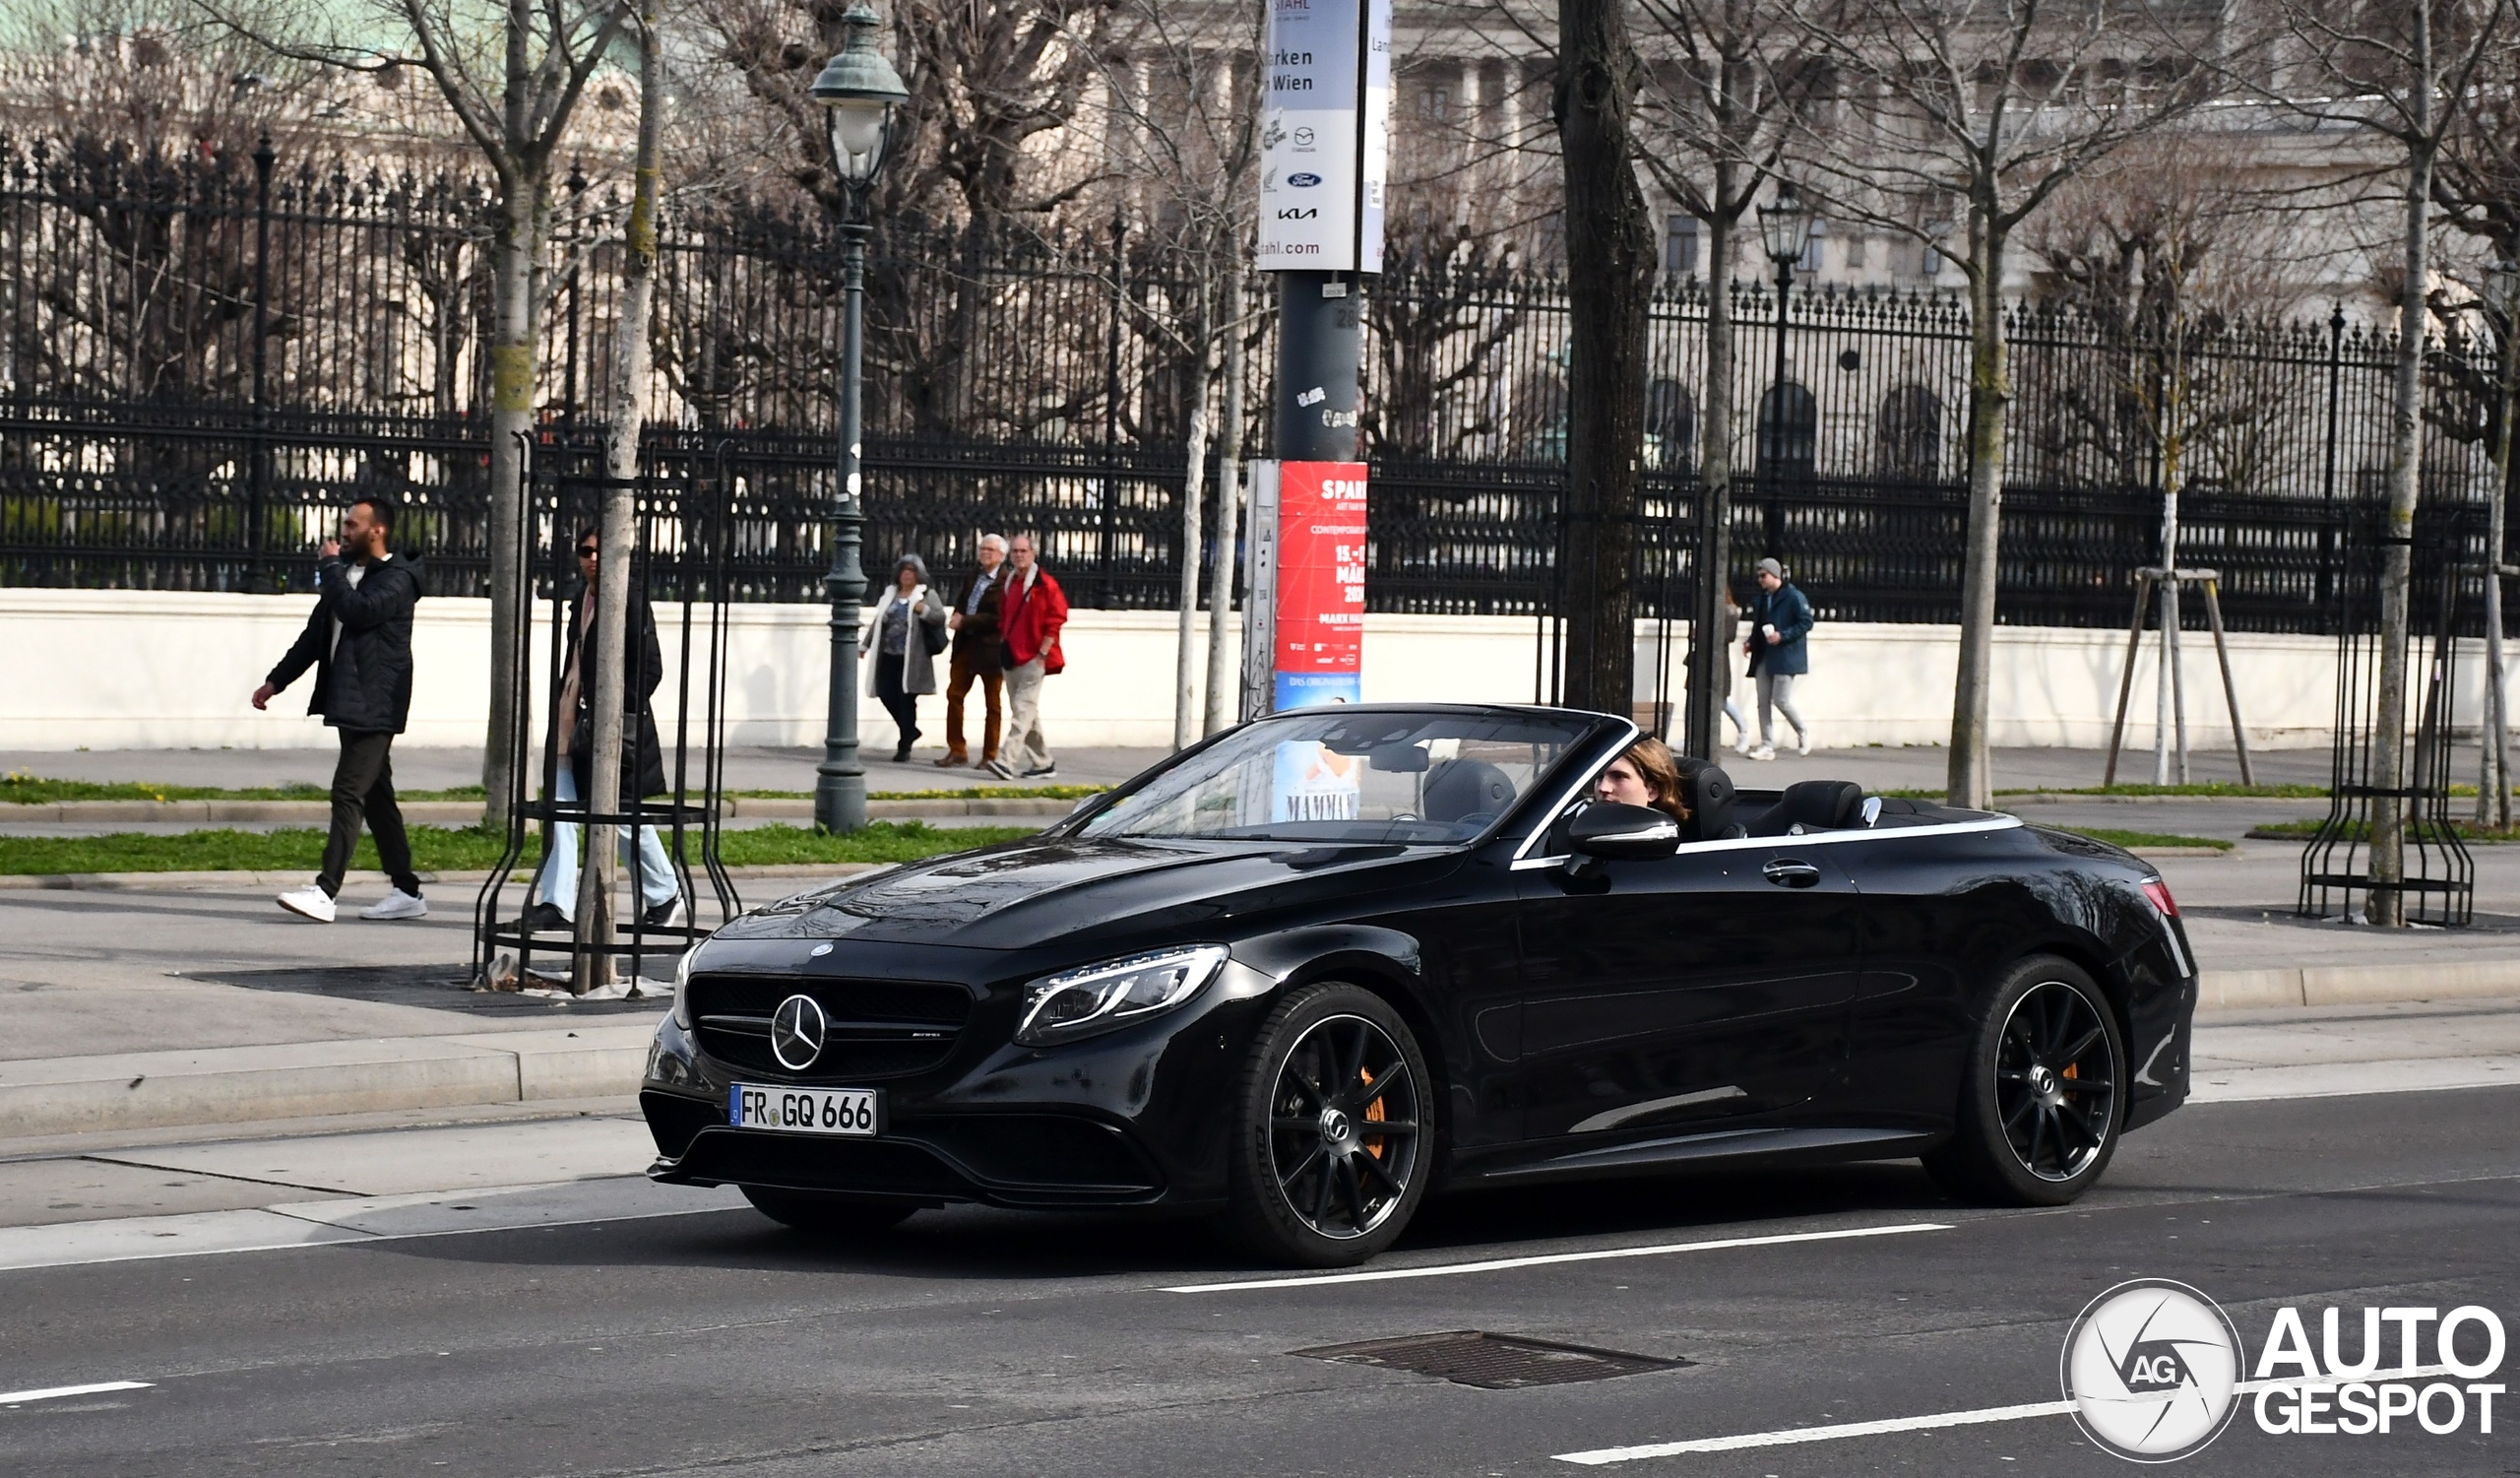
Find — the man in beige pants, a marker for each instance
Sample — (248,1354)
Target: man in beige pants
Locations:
(1030,615)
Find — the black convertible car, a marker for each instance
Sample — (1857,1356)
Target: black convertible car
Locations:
(1330,960)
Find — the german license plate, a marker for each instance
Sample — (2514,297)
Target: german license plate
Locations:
(806,1111)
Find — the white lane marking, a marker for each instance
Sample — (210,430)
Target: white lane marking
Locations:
(1604,1457)
(1501,1264)
(56,1393)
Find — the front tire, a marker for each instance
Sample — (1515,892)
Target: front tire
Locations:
(827,1214)
(1334,1130)
(2043,1094)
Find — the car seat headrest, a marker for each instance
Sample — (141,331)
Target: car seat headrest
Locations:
(1459,789)
(1707,792)
(1815,806)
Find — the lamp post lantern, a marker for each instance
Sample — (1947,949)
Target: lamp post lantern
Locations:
(1785,229)
(861,89)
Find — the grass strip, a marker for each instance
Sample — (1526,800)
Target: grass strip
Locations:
(2130,839)
(2296,831)
(2207,789)
(442,849)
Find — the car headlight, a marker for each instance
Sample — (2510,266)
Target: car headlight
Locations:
(682,988)
(1099,998)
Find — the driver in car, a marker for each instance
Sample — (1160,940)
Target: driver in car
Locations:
(1646,775)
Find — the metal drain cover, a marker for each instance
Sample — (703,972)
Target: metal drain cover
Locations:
(1494,1362)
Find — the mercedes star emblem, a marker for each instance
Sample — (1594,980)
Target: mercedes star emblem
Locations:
(797,1032)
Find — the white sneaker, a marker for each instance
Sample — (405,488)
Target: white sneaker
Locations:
(311,901)
(396,905)
(1802,743)
(1764,751)
(1742,747)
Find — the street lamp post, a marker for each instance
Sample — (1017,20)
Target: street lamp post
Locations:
(861,89)
(1785,229)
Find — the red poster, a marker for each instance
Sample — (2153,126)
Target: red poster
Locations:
(1321,583)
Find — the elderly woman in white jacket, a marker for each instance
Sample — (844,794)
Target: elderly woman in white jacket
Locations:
(901,637)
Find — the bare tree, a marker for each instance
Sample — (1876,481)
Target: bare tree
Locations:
(2476,183)
(1987,108)
(1609,267)
(1182,128)
(2405,74)
(514,88)
(608,662)
(989,84)
(1728,79)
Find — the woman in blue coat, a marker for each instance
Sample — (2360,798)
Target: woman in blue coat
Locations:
(1780,618)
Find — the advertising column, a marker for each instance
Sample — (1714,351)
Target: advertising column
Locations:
(1325,138)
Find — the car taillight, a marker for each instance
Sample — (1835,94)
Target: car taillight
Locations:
(2157,892)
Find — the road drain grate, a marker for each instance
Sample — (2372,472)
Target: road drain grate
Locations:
(1495,1362)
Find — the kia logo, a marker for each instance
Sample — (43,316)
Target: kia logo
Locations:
(1298,212)
(1301,181)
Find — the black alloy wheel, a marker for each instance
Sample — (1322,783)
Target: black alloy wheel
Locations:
(828,1214)
(2041,1098)
(1334,1142)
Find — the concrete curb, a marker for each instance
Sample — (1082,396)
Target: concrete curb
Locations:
(2356,985)
(238,1085)
(466,812)
(161,1090)
(158,882)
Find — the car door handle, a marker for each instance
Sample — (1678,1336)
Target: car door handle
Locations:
(1786,873)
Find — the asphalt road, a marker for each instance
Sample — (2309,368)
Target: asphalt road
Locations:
(972,1342)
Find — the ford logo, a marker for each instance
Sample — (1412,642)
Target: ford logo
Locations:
(1300,181)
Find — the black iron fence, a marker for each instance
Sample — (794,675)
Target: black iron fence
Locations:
(199,360)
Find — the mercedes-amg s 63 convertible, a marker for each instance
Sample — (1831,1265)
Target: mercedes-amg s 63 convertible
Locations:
(1333,960)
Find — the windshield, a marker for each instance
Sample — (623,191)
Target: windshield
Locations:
(1326,775)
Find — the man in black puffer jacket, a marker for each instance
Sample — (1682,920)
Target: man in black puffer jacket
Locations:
(358,641)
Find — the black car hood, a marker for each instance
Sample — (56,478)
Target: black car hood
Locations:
(1026,892)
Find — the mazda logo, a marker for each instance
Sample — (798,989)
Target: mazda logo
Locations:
(797,1032)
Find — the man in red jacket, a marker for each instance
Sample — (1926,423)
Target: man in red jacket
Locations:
(1030,615)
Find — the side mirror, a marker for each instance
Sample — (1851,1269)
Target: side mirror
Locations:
(1622,833)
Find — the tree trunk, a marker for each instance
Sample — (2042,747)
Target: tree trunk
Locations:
(596,878)
(515,341)
(1609,265)
(2494,797)
(2387,904)
(1194,481)
(1222,681)
(513,344)
(1711,640)
(1989,395)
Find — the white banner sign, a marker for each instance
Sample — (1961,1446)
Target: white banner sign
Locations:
(1325,135)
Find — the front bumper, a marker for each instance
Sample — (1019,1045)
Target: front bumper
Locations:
(1136,1118)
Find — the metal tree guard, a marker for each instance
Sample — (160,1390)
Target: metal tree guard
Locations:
(687,555)
(2436,877)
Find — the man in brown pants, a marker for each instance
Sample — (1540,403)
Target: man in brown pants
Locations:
(974,617)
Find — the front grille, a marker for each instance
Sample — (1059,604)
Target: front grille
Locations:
(877,1028)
